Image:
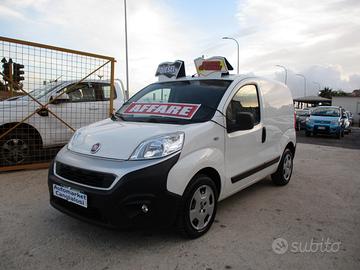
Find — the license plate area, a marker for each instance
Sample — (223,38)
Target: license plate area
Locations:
(321,128)
(70,194)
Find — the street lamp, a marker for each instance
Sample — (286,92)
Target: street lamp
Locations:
(304,82)
(285,69)
(238,51)
(126,55)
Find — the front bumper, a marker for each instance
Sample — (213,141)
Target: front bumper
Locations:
(323,129)
(121,206)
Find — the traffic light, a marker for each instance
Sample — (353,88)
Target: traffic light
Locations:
(6,70)
(18,72)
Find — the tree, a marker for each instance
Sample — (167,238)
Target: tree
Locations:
(326,92)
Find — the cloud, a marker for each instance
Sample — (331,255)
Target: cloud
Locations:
(318,38)
(155,32)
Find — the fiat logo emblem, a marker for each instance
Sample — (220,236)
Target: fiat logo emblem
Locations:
(95,148)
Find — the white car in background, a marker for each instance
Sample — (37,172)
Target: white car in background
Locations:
(84,103)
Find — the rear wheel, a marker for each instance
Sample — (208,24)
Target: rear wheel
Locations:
(283,174)
(15,148)
(199,207)
(307,133)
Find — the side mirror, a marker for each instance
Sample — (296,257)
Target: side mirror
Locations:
(244,121)
(62,99)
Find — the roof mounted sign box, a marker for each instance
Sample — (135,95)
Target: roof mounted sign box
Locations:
(212,67)
(171,70)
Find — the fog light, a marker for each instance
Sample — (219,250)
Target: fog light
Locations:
(144,208)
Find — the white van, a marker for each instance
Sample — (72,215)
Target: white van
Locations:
(177,148)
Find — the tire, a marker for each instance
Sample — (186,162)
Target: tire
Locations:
(16,148)
(197,214)
(342,133)
(307,133)
(284,171)
(338,135)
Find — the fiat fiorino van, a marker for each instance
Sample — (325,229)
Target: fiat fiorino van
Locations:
(176,148)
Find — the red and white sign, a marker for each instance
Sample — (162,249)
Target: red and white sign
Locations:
(175,110)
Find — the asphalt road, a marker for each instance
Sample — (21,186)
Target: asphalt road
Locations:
(321,203)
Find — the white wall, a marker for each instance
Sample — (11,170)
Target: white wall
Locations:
(351,104)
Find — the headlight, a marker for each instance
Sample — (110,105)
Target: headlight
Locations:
(75,139)
(159,147)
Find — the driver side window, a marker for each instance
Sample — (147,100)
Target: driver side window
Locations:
(245,100)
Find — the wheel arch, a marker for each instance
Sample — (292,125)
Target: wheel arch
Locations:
(213,174)
(23,126)
(291,147)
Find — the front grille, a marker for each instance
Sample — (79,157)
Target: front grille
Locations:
(83,176)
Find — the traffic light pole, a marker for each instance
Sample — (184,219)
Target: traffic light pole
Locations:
(11,80)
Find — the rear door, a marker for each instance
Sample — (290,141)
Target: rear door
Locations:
(244,148)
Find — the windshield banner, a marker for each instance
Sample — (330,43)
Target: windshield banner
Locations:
(175,110)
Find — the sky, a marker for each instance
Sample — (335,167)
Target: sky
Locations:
(319,39)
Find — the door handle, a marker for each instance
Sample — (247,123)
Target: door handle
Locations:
(263,137)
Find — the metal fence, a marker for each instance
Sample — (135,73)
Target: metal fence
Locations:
(47,93)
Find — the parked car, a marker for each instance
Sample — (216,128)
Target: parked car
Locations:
(176,148)
(326,120)
(85,103)
(351,117)
(347,123)
(301,116)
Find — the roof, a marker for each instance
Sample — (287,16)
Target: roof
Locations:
(310,99)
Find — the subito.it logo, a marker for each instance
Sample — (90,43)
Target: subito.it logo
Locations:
(280,245)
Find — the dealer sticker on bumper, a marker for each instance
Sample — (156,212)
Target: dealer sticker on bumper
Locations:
(71,195)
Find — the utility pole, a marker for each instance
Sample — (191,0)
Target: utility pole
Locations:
(286,72)
(126,55)
(238,51)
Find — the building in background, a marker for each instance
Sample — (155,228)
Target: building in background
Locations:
(349,103)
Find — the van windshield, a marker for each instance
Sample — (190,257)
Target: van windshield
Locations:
(202,96)
(332,112)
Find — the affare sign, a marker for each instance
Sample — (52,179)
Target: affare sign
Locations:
(175,110)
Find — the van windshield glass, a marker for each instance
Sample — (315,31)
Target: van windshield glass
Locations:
(202,97)
(332,112)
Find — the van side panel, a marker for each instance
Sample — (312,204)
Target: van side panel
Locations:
(278,115)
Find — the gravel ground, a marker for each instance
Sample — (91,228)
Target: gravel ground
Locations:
(321,203)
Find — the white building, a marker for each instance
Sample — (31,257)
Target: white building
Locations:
(349,103)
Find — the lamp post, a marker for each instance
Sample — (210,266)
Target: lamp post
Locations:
(301,75)
(126,55)
(238,51)
(286,72)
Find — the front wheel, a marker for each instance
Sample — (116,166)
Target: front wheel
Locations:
(283,174)
(307,133)
(199,207)
(15,149)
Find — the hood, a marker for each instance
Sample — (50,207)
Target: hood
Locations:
(117,139)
